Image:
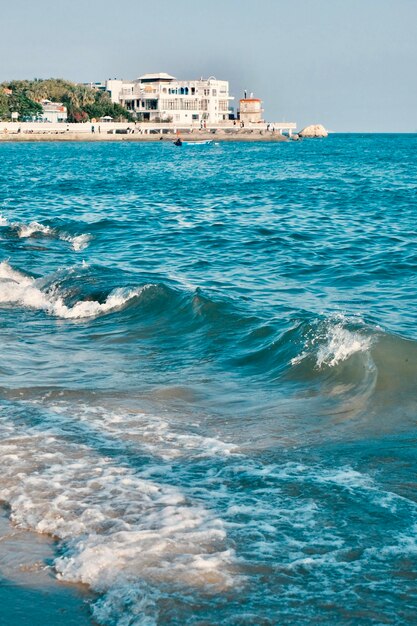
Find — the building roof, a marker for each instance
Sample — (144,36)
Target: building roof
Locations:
(147,78)
(50,106)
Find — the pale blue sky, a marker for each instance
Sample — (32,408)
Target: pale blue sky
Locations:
(349,64)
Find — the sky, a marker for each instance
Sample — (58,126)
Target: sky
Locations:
(348,64)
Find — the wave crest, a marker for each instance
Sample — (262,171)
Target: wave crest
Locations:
(333,343)
(17,288)
(25,231)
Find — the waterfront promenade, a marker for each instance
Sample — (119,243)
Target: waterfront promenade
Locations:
(124,131)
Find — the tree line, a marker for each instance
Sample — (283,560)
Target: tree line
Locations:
(83,102)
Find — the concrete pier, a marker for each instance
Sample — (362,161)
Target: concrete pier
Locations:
(144,131)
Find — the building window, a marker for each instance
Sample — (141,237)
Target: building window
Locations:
(151,104)
(171,105)
(191,105)
(214,92)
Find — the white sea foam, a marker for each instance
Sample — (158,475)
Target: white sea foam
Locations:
(16,288)
(27,230)
(7,273)
(134,536)
(77,242)
(90,308)
(163,438)
(124,533)
(340,345)
(333,344)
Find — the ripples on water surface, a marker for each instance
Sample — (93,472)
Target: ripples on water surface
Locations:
(208,376)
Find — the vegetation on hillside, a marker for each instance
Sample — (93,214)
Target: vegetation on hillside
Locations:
(83,103)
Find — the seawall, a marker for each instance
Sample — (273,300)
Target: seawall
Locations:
(135,137)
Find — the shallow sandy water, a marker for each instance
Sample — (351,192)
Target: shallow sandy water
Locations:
(29,592)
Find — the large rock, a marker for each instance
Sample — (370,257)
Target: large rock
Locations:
(315,130)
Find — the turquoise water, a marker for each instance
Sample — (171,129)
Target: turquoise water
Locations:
(209,376)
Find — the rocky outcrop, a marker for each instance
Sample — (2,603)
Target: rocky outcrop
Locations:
(315,130)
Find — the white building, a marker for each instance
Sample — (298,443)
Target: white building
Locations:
(53,112)
(161,97)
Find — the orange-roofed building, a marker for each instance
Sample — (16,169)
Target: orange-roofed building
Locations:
(250,110)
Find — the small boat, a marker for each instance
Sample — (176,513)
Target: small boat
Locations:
(199,142)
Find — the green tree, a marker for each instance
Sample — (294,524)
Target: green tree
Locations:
(104,106)
(4,105)
(82,102)
(26,107)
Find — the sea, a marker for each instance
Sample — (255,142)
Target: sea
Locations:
(208,383)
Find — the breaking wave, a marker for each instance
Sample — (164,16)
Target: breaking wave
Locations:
(335,355)
(18,288)
(123,532)
(24,231)
(333,343)
(138,529)
(27,230)
(78,242)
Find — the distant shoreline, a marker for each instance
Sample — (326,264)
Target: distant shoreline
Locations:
(136,137)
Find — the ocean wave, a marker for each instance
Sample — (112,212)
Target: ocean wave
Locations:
(85,292)
(78,242)
(312,348)
(27,230)
(337,359)
(24,231)
(332,342)
(138,532)
(345,349)
(18,288)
